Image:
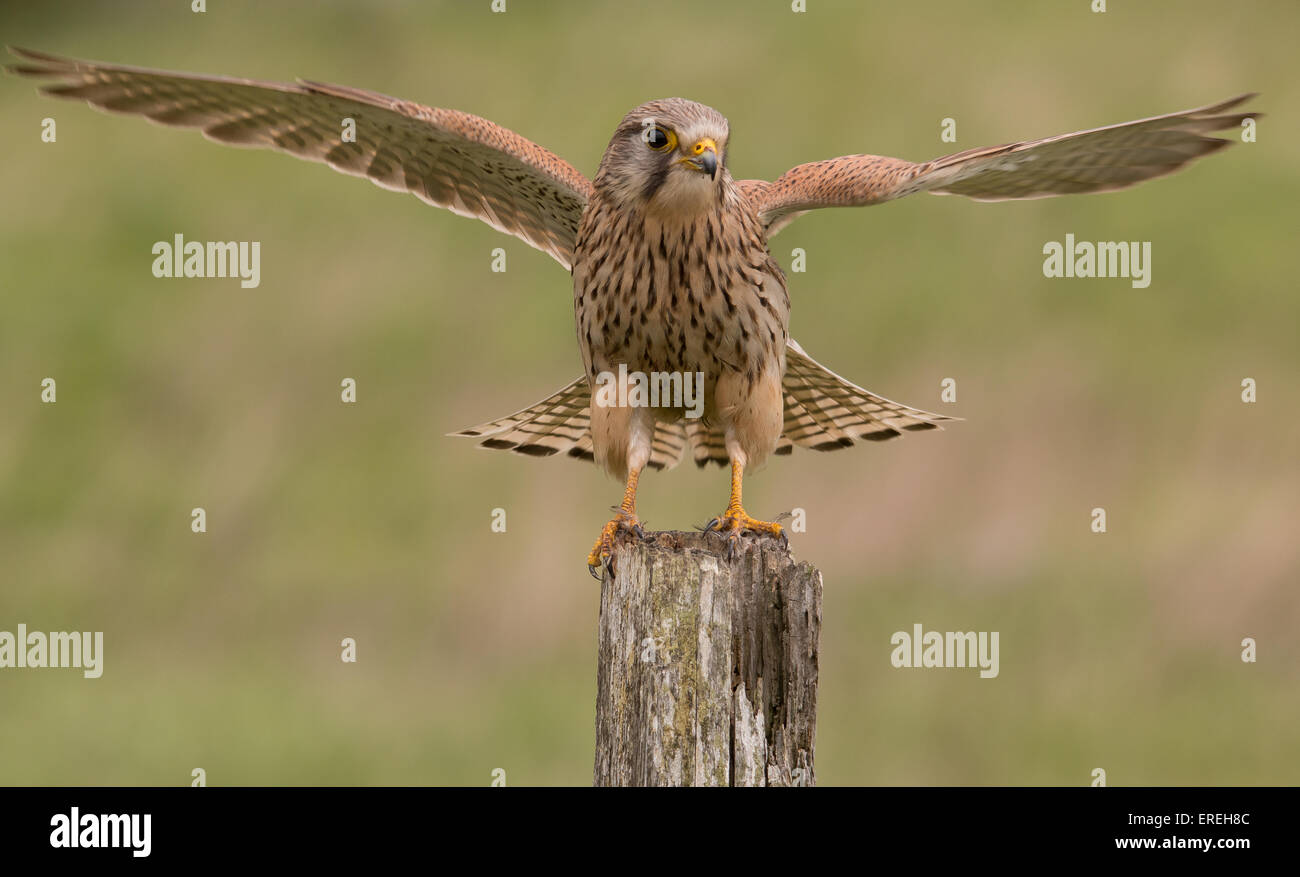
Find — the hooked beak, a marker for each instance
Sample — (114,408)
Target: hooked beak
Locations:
(703,157)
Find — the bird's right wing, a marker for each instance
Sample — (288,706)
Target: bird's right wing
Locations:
(444,157)
(1095,160)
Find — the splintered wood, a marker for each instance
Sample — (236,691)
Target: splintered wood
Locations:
(708,665)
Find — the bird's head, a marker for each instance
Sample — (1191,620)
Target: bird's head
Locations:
(667,155)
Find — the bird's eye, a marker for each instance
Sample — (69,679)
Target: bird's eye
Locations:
(658,139)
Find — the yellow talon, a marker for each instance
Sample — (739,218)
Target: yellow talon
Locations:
(736,520)
(625,520)
(603,550)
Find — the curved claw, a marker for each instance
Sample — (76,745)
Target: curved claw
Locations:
(602,553)
(735,520)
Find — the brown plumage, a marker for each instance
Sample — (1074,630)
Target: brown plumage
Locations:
(669,255)
(674,276)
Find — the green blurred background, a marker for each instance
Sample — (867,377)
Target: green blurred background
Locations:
(477,649)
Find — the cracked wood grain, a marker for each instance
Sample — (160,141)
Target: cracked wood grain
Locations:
(707,670)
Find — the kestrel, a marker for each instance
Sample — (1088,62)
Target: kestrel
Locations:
(669,254)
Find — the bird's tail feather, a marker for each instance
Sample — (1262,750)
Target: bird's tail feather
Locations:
(823,411)
(561,424)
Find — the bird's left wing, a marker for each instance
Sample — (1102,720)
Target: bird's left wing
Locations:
(1096,160)
(444,157)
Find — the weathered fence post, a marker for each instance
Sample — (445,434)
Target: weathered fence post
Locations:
(708,667)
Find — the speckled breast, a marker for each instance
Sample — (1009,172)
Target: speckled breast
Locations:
(698,295)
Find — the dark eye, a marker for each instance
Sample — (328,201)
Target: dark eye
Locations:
(657,138)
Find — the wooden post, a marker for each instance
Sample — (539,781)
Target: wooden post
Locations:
(708,666)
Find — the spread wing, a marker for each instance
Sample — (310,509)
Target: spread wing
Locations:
(1096,160)
(444,157)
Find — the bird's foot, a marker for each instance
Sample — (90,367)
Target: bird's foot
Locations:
(602,553)
(735,521)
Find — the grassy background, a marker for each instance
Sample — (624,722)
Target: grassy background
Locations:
(477,650)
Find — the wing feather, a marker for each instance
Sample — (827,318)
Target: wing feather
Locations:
(1096,160)
(446,158)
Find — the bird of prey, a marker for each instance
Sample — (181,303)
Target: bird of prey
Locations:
(669,253)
